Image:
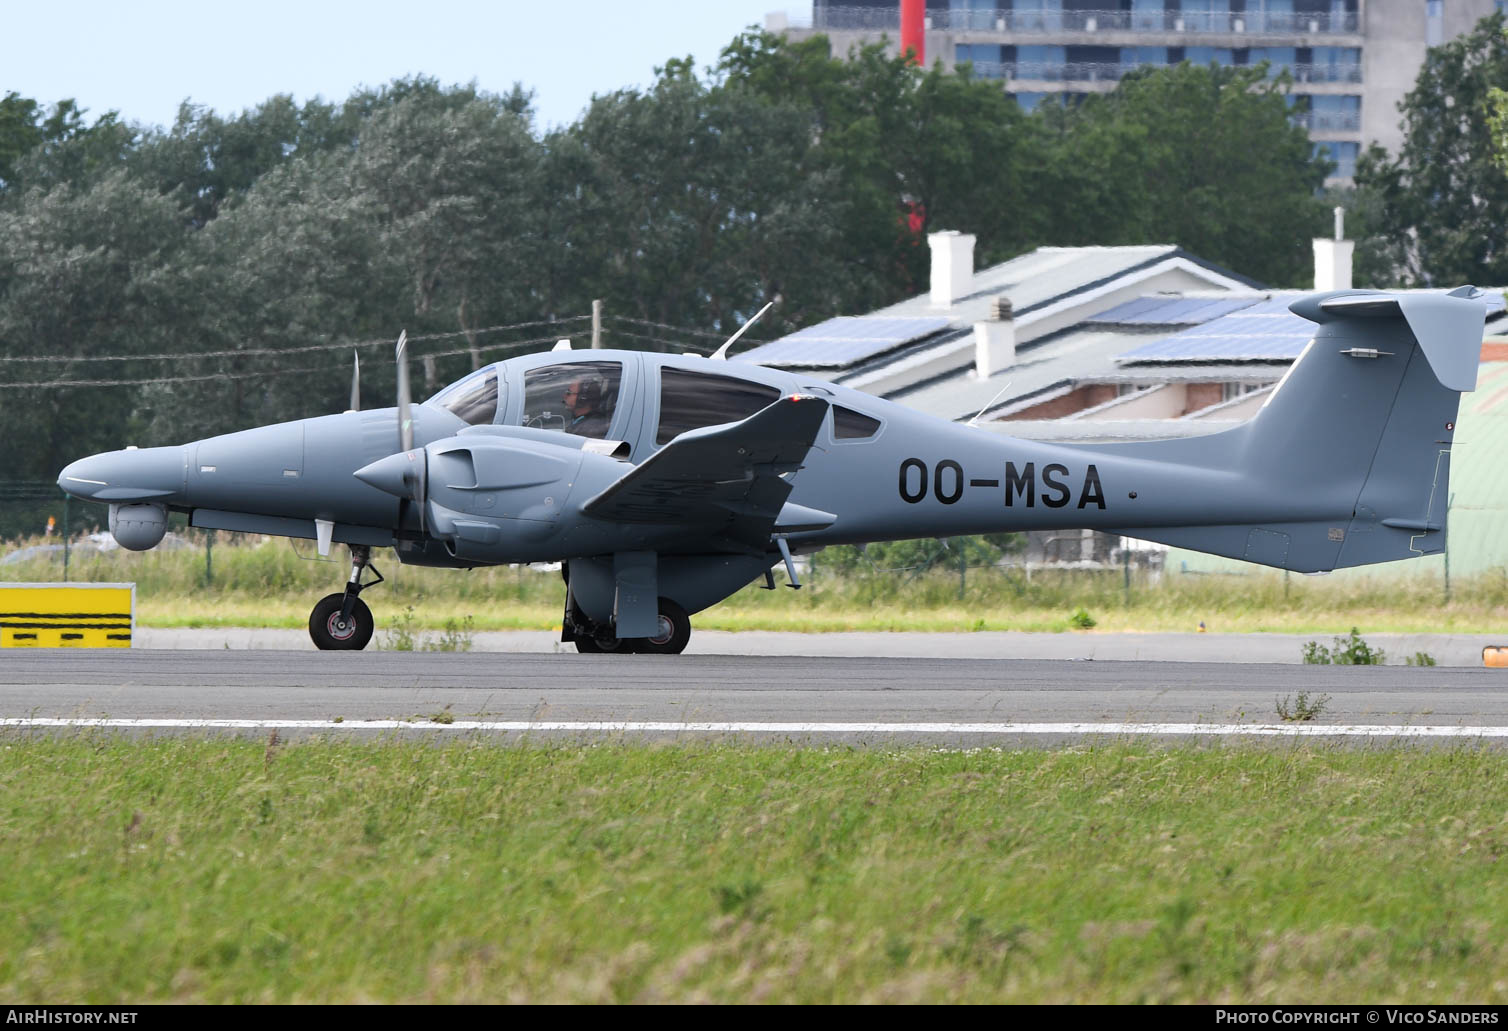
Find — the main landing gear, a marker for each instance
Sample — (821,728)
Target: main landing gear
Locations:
(597,638)
(342,622)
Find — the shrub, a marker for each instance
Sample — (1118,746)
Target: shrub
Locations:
(1352,650)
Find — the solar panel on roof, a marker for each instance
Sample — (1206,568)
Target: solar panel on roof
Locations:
(843,340)
(1264,331)
(1171,311)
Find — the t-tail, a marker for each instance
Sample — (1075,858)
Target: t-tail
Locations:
(1352,449)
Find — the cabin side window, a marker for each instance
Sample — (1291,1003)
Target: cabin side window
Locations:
(851,425)
(691,400)
(574,397)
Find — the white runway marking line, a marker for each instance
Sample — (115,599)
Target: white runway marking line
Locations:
(658,727)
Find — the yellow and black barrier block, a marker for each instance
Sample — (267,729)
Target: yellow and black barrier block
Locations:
(67,615)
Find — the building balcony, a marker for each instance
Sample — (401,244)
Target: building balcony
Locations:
(1042,71)
(1329,121)
(1160,23)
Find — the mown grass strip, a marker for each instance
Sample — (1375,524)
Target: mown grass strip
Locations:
(223,870)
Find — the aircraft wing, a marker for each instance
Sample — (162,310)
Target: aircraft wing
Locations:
(729,481)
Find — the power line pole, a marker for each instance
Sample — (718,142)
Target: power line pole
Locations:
(597,325)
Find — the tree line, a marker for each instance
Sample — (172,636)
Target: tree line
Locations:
(163,283)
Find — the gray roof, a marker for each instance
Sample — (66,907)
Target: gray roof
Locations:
(1048,288)
(1162,310)
(1080,355)
(1047,275)
(1092,352)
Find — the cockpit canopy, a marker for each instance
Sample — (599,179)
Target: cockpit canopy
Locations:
(577,397)
(583,395)
(473,399)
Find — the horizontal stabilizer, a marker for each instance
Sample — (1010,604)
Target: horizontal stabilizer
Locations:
(1448,327)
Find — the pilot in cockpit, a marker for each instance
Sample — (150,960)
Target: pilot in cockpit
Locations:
(583,399)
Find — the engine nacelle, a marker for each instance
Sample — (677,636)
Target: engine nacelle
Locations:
(138,527)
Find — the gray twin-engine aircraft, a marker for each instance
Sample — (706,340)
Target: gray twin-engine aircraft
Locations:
(664,484)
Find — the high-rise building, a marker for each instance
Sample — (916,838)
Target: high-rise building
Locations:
(1353,59)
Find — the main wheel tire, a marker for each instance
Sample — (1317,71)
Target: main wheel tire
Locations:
(588,645)
(328,632)
(675,632)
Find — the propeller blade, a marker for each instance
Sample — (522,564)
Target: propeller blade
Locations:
(418,477)
(355,380)
(405,402)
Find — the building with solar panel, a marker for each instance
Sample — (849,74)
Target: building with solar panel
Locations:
(1352,59)
(1084,344)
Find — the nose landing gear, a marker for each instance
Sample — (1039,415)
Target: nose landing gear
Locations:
(342,622)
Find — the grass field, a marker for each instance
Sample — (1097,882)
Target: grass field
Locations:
(239,871)
(270,585)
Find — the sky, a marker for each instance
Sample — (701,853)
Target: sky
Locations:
(143,59)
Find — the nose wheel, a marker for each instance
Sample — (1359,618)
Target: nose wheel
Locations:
(332,629)
(342,622)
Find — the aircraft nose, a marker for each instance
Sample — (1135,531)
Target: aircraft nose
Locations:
(135,474)
(394,474)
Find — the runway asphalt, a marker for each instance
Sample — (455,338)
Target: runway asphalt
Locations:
(807,698)
(1446,649)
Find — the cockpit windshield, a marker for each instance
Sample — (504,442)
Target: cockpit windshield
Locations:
(474,398)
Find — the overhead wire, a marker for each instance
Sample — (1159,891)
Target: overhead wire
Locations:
(260,352)
(698,345)
(252,374)
(712,334)
(269,352)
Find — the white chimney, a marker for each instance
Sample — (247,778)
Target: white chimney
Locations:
(995,340)
(952,266)
(1332,258)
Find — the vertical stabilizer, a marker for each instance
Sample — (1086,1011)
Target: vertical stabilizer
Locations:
(1356,440)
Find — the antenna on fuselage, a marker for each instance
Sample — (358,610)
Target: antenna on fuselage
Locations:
(721,354)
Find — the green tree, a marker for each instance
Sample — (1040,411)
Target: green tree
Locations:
(694,203)
(423,223)
(258,296)
(1204,157)
(75,268)
(43,148)
(206,159)
(1440,200)
(457,192)
(916,150)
